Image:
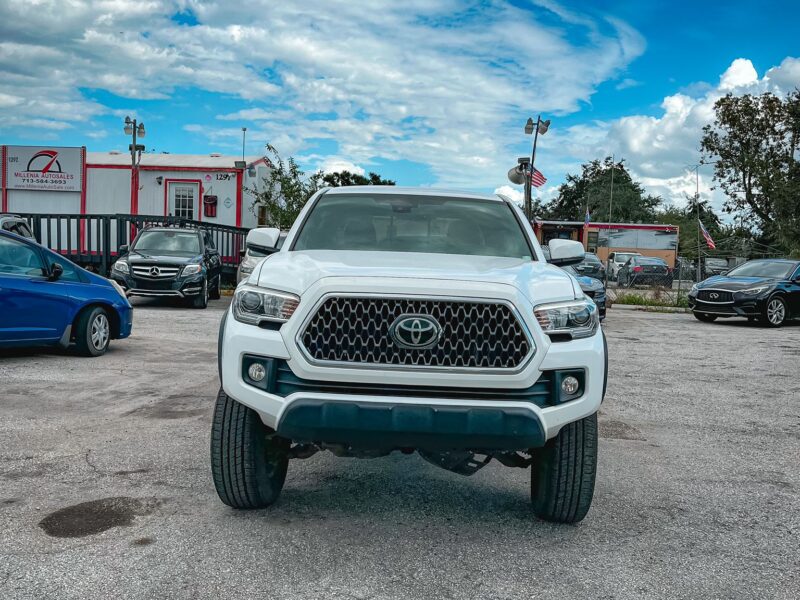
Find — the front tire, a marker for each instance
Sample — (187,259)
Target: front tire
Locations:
(705,318)
(92,332)
(774,312)
(248,462)
(563,473)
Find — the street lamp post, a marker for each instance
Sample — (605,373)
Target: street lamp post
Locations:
(135,130)
(540,127)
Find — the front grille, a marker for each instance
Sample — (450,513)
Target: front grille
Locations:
(590,293)
(155,271)
(709,296)
(474,334)
(541,393)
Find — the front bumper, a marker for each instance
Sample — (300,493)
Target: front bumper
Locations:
(466,419)
(739,307)
(179,287)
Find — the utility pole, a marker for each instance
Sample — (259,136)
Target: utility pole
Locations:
(244,133)
(697,207)
(611,199)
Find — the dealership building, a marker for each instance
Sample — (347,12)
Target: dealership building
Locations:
(58,180)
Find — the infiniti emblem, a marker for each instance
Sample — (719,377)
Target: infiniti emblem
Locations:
(155,271)
(713,295)
(415,332)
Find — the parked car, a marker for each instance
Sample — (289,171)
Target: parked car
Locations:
(767,290)
(45,300)
(170,262)
(17,225)
(713,266)
(616,260)
(411,319)
(645,270)
(593,288)
(685,269)
(591,266)
(253,255)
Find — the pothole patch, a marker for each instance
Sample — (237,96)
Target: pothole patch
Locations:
(620,430)
(96,516)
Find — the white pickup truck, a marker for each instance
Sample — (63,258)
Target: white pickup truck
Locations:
(400,319)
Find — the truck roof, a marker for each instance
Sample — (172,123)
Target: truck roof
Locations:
(409,191)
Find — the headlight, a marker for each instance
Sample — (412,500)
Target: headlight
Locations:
(695,287)
(253,305)
(191,270)
(578,319)
(121,266)
(754,291)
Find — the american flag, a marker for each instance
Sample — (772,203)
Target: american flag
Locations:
(707,236)
(537,179)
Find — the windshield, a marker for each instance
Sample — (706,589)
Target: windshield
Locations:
(651,261)
(411,223)
(623,257)
(169,242)
(572,271)
(591,259)
(763,268)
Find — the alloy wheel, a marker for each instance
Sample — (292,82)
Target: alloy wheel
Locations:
(100,332)
(776,311)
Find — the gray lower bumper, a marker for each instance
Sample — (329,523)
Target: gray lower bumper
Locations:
(431,427)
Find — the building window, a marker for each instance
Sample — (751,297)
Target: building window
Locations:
(591,242)
(184,201)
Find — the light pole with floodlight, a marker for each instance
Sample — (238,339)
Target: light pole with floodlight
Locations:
(135,130)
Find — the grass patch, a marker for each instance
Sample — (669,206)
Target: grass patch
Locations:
(640,300)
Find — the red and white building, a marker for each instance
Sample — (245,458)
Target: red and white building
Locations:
(57,180)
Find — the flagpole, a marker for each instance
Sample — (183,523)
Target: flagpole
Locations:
(697,205)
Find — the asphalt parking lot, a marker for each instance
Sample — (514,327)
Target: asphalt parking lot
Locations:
(105,488)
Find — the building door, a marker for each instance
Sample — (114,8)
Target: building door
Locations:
(183,200)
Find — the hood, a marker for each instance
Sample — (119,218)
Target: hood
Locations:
(589,283)
(136,256)
(295,272)
(721,282)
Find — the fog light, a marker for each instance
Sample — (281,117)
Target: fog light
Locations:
(569,385)
(257,372)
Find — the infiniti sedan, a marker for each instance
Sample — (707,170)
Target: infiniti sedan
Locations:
(766,290)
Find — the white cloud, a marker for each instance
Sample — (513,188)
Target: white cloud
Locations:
(432,81)
(335,165)
(660,149)
(513,194)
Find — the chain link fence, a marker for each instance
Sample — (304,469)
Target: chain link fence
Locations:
(650,285)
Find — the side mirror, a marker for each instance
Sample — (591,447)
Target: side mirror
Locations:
(56,271)
(565,252)
(263,237)
(122,250)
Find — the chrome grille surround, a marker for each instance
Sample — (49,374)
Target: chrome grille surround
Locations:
(164,271)
(480,335)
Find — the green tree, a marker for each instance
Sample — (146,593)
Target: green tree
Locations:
(592,189)
(283,193)
(345,178)
(753,144)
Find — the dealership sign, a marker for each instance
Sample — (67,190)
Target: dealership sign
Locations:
(43,168)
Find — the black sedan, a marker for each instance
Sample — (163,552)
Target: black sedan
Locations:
(766,290)
(591,266)
(645,270)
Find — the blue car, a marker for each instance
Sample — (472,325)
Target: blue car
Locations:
(46,300)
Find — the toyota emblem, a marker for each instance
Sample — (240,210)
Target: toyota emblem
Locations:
(155,271)
(415,332)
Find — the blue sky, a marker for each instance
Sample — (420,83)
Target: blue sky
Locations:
(426,92)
